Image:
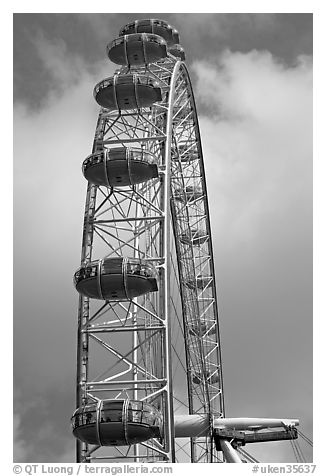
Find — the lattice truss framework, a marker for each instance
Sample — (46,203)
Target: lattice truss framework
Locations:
(122,345)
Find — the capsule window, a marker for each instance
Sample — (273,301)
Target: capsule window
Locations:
(93,271)
(89,417)
(148,418)
(143,23)
(134,268)
(104,84)
(140,269)
(118,41)
(112,266)
(143,156)
(135,412)
(85,272)
(146,271)
(84,416)
(77,276)
(127,27)
(149,415)
(75,420)
(118,153)
(136,416)
(125,79)
(88,272)
(86,162)
(111,411)
(98,158)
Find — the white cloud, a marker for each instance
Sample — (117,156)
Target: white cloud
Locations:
(258,144)
(20,449)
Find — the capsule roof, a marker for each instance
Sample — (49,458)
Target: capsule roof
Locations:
(152,25)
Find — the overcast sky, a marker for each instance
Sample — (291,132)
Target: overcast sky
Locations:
(252,79)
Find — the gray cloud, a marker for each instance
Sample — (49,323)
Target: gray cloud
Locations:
(86,35)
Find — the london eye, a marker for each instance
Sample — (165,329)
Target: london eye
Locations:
(149,382)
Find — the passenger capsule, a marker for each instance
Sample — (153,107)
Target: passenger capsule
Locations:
(189,194)
(194,237)
(137,49)
(210,377)
(116,279)
(201,282)
(202,328)
(127,91)
(119,167)
(116,422)
(177,51)
(158,27)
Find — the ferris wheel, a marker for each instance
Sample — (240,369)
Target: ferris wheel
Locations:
(149,368)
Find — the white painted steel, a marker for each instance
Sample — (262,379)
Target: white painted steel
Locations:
(135,222)
(231,455)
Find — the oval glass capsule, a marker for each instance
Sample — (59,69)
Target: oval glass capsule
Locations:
(137,49)
(152,25)
(116,422)
(127,91)
(116,279)
(119,167)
